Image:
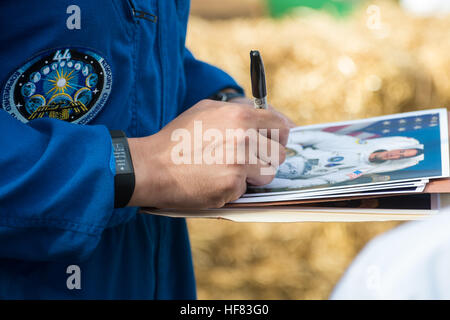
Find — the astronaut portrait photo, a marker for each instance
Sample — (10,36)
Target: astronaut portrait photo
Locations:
(361,152)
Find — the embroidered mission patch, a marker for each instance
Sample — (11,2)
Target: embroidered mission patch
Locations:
(70,84)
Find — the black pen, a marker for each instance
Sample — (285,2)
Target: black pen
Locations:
(258,77)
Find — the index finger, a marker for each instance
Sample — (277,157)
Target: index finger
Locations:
(267,119)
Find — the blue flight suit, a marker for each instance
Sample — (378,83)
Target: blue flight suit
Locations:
(72,71)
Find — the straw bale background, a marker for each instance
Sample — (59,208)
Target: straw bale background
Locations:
(319,69)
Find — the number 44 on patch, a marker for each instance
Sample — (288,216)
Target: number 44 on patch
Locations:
(58,56)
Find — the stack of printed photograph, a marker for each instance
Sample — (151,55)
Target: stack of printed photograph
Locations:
(393,167)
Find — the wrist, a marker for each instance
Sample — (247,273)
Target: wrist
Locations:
(136,150)
(148,165)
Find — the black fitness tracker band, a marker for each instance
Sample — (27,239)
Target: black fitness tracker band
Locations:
(124,180)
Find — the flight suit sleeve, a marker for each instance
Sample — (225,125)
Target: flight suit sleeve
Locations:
(56,188)
(204,80)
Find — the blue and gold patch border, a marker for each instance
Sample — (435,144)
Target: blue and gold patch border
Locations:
(69,83)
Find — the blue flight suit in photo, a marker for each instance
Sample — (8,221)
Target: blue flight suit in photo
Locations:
(72,71)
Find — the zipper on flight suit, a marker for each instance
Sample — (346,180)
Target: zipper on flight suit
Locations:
(142,14)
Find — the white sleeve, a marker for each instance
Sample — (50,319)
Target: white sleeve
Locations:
(409,262)
(321,139)
(343,175)
(332,178)
(295,183)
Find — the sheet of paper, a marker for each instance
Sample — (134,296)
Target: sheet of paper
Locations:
(344,189)
(419,184)
(404,190)
(394,148)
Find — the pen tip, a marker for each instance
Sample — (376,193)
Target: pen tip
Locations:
(254,53)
